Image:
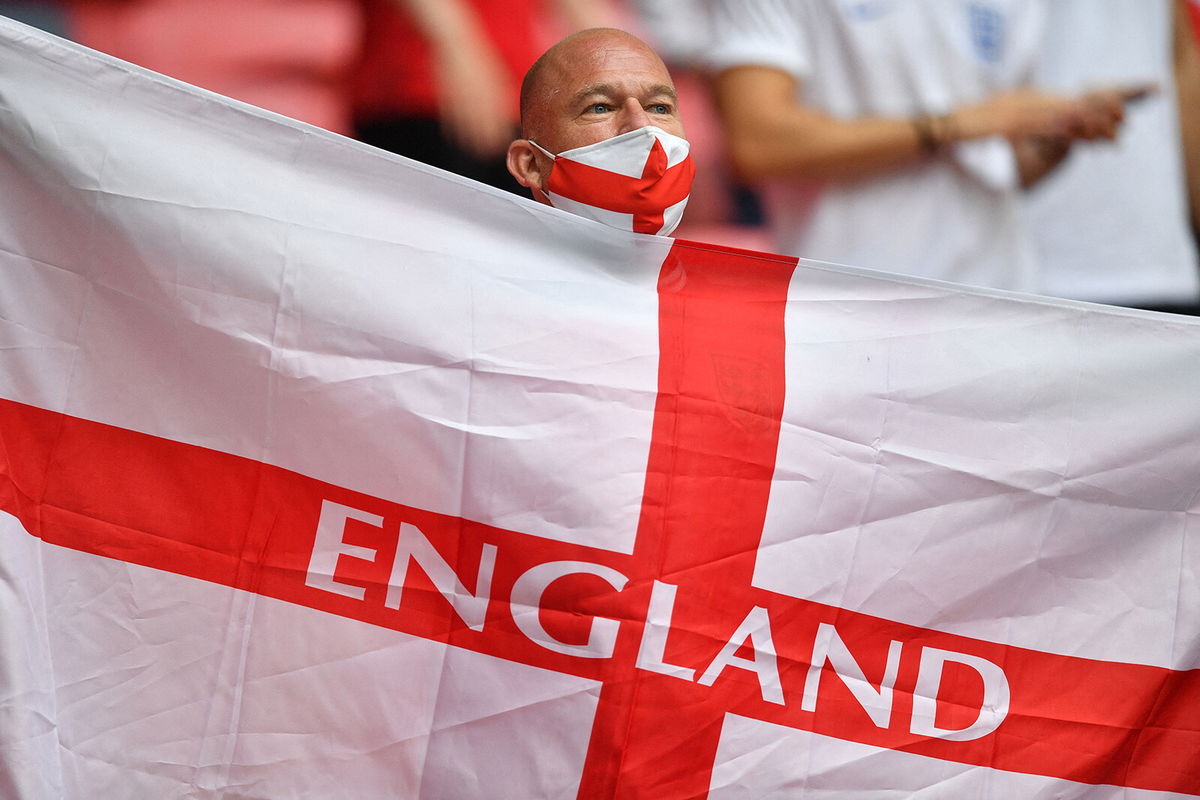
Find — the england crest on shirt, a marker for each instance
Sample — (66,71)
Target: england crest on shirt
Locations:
(987,31)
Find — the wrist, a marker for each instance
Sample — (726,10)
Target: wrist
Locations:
(934,133)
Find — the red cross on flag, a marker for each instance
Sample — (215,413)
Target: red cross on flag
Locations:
(326,474)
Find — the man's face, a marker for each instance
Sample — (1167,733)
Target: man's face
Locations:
(607,86)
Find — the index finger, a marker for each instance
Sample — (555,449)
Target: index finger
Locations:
(1129,94)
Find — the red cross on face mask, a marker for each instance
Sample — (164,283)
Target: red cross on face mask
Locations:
(638,181)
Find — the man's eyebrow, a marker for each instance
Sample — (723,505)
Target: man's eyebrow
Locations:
(612,91)
(663,90)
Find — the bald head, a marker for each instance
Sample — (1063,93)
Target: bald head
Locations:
(591,86)
(584,55)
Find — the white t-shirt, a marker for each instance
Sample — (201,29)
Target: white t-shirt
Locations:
(1111,225)
(955,218)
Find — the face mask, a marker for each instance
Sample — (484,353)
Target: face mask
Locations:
(638,181)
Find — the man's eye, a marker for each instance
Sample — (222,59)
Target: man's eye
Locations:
(598,108)
(660,108)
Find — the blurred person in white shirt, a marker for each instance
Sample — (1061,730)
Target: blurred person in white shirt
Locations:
(894,135)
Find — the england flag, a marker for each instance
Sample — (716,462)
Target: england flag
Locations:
(326,474)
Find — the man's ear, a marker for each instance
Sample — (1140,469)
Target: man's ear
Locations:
(529,167)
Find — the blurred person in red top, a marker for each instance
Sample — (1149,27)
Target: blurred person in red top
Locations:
(288,56)
(439,80)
